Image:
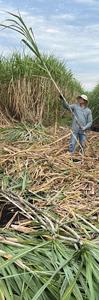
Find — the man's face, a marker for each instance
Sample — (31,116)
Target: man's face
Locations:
(81,101)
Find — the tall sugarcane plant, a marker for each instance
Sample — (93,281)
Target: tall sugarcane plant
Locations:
(17,24)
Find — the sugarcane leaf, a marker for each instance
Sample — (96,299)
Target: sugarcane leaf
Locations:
(25,30)
(89,276)
(17,25)
(8,287)
(41,290)
(21,254)
(30,47)
(71,286)
(12,28)
(69,276)
(4,292)
(18,17)
(2,296)
(24,182)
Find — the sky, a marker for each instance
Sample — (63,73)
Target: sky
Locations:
(67,29)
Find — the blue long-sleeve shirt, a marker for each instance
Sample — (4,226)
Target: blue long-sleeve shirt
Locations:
(83,115)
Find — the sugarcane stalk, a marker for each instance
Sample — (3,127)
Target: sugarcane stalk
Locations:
(88,223)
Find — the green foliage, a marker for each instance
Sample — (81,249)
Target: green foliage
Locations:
(48,270)
(94,103)
(16,68)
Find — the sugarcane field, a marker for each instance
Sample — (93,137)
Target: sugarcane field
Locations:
(49,175)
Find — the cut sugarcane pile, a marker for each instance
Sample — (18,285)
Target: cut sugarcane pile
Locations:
(49,215)
(36,164)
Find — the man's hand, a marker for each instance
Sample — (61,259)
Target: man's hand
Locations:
(83,128)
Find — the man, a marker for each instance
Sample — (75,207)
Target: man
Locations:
(82,120)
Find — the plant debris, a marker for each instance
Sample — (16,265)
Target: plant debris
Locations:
(49,216)
(41,170)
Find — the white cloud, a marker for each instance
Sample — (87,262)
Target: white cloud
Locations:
(93,2)
(51,30)
(88,80)
(66,17)
(8,35)
(4,8)
(5,51)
